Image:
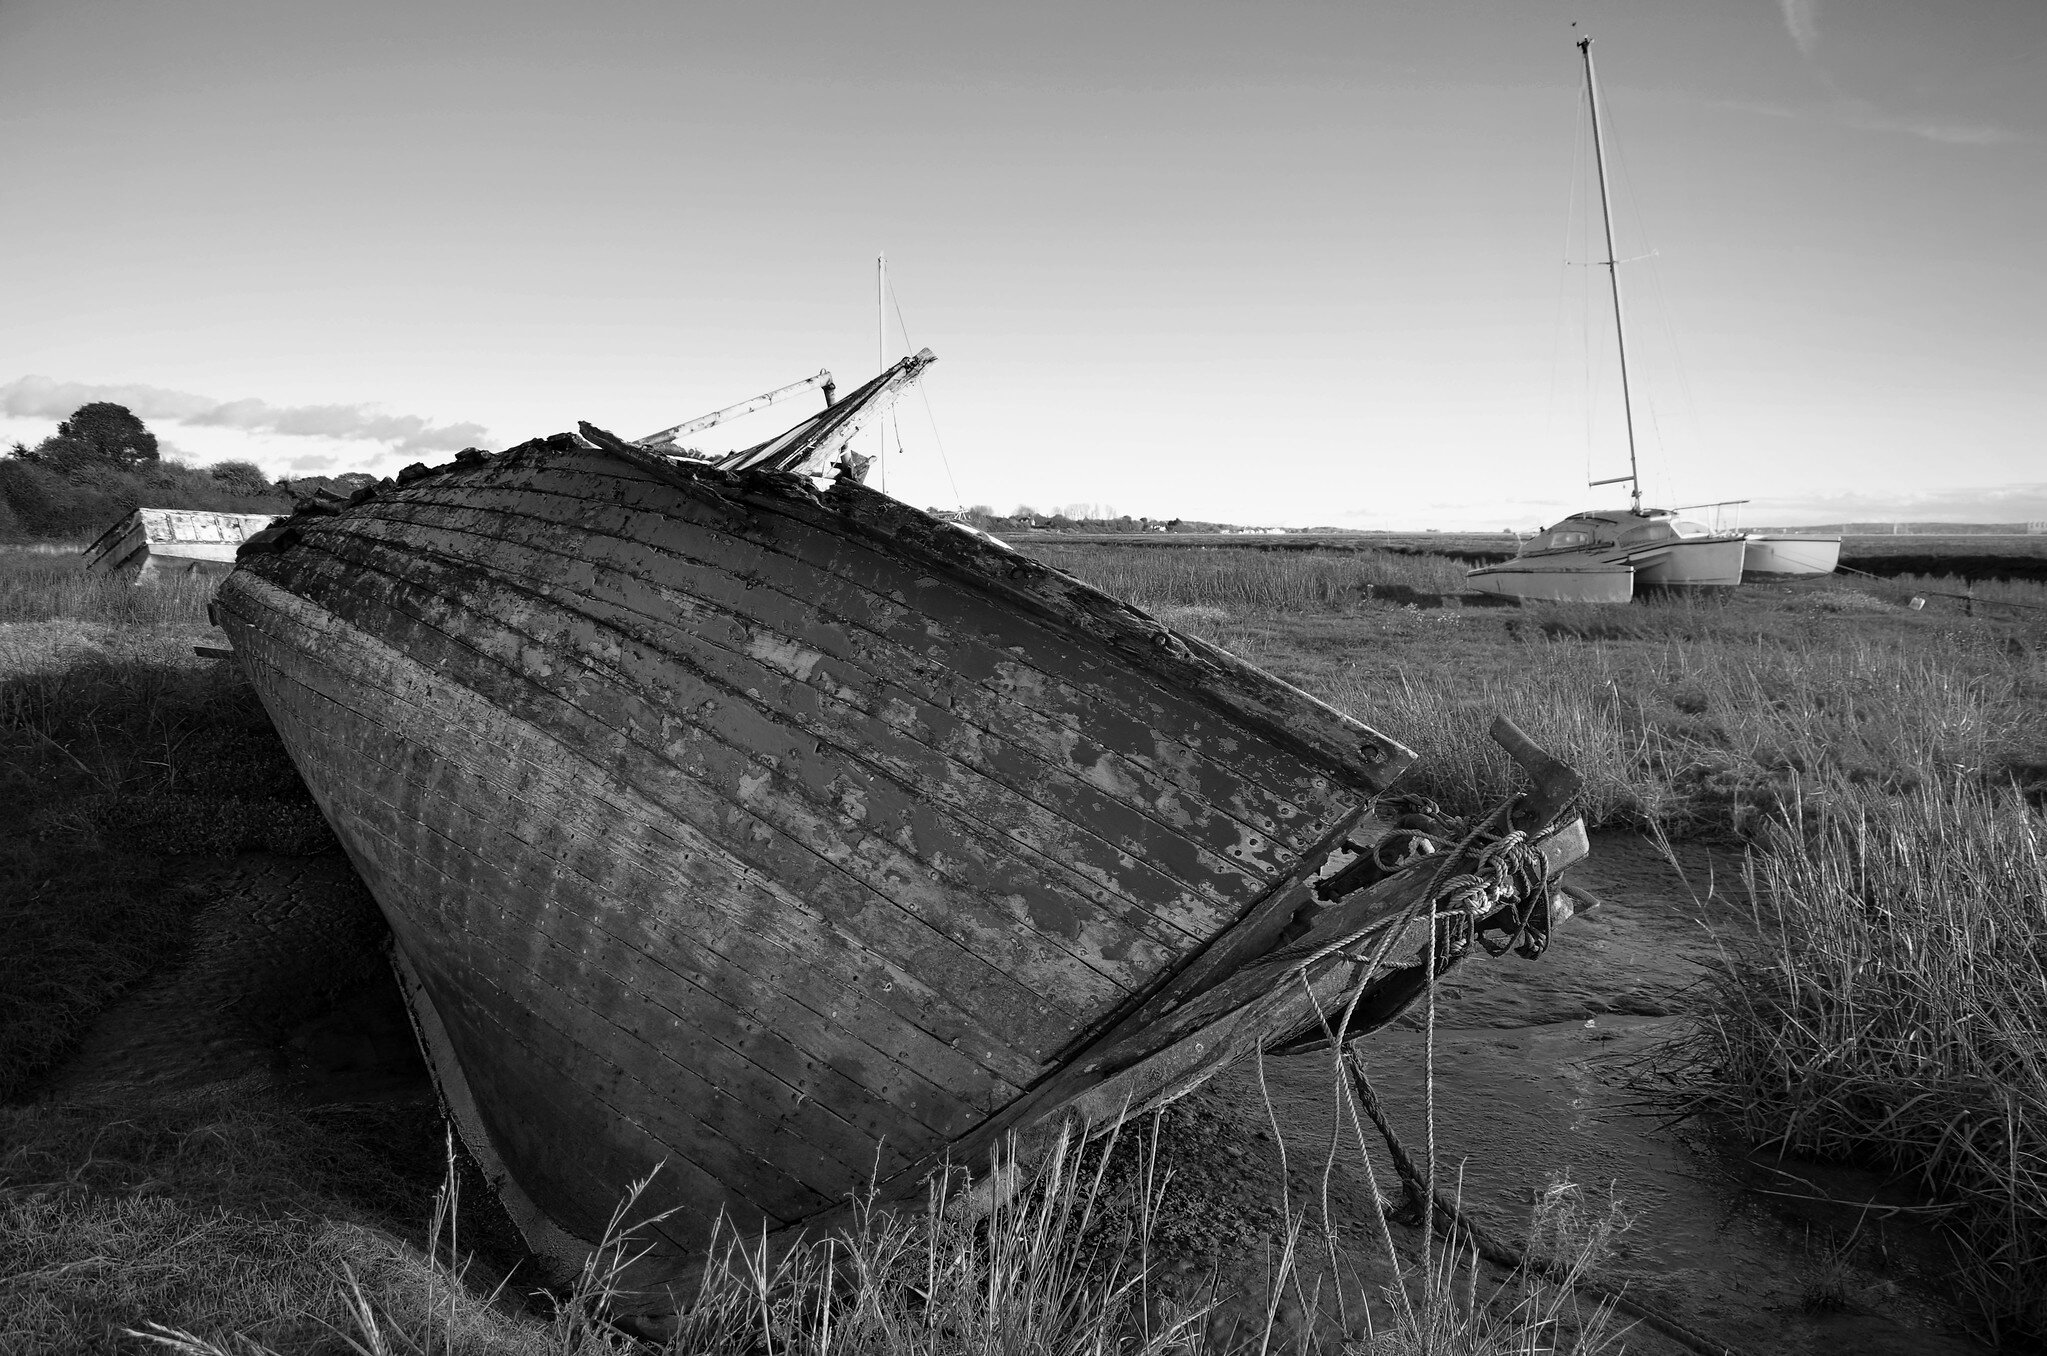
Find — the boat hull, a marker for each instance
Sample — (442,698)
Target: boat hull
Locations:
(1587,582)
(784,839)
(1772,556)
(1698,562)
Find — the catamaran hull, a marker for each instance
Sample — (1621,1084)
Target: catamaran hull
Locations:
(1781,556)
(789,839)
(1695,563)
(1555,584)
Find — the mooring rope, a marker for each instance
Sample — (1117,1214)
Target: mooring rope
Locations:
(1506,868)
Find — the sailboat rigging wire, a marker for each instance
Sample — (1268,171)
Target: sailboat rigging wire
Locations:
(959,502)
(1553,419)
(1624,181)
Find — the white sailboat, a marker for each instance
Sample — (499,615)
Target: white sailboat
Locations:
(1580,558)
(1787,555)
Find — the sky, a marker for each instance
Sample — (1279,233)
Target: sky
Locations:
(1276,263)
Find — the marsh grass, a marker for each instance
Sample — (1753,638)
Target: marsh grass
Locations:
(120,752)
(1877,760)
(222,1216)
(1254,582)
(2025,596)
(1896,1015)
(1887,768)
(1065,1264)
(42,585)
(1712,739)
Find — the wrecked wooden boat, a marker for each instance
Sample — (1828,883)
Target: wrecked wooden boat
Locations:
(153,543)
(797,840)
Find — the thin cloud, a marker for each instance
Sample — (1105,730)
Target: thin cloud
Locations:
(1802,20)
(1864,116)
(43,398)
(2014,503)
(1958,133)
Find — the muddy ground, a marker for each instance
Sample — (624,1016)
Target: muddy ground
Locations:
(284,995)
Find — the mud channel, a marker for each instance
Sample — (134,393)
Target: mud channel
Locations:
(285,995)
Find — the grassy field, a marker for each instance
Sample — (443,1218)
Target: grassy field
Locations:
(1885,766)
(1958,558)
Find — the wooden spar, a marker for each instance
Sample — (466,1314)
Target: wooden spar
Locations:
(667,437)
(818,439)
(788,835)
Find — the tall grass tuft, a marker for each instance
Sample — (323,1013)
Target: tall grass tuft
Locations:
(1713,738)
(1253,581)
(181,1236)
(1897,1014)
(1054,1267)
(40,586)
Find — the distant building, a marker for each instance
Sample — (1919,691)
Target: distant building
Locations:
(150,543)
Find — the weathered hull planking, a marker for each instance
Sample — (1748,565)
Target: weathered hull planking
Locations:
(793,840)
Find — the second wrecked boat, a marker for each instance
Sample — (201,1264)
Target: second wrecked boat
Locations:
(798,840)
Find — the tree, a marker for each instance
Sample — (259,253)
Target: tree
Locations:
(113,433)
(240,477)
(98,436)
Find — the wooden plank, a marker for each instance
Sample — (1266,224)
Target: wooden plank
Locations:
(865,1087)
(1028,649)
(947,625)
(593,829)
(729,749)
(575,1169)
(917,742)
(1351,751)
(900,784)
(723,1133)
(1230,951)
(901,653)
(695,776)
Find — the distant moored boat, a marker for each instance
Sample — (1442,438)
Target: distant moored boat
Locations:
(1661,549)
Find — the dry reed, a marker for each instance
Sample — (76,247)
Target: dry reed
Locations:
(1253,581)
(42,586)
(1894,1015)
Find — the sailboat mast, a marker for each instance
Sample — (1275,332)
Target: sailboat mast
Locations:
(1613,273)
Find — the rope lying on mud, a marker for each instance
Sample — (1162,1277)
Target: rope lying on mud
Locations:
(1502,1254)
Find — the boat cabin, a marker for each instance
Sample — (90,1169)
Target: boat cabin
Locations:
(151,543)
(1620,527)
